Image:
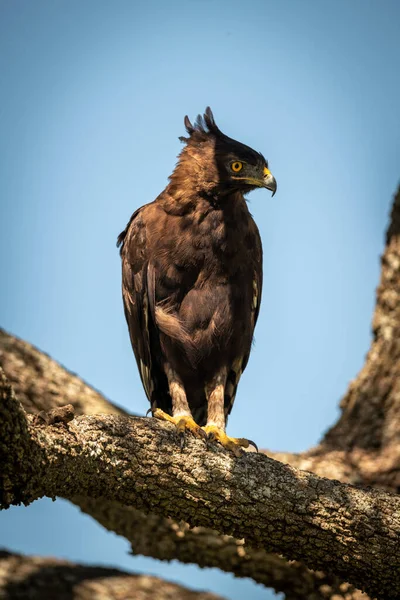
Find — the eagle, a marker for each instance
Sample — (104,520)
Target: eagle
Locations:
(192,282)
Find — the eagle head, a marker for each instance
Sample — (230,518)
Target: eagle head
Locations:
(216,164)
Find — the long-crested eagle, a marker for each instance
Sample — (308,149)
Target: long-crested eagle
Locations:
(192,279)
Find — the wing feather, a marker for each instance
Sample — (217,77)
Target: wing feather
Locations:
(138,294)
(239,365)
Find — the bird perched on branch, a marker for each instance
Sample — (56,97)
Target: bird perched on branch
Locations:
(191,282)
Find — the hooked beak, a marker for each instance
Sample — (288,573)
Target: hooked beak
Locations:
(269,181)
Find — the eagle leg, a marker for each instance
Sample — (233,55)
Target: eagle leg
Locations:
(215,427)
(181,414)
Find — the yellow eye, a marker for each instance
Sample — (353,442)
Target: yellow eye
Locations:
(236,166)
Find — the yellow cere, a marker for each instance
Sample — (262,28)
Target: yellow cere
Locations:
(266,172)
(236,166)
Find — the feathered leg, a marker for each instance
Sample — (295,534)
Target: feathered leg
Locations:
(215,427)
(181,414)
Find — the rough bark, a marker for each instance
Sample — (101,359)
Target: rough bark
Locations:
(166,539)
(370,418)
(39,578)
(349,532)
(362,448)
(42,384)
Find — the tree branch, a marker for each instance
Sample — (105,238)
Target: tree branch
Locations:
(42,385)
(371,408)
(48,578)
(165,539)
(136,462)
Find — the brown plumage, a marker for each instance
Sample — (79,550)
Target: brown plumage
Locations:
(192,279)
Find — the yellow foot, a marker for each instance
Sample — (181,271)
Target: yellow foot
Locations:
(183,424)
(233,444)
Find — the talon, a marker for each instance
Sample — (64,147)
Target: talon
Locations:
(235,445)
(203,434)
(209,439)
(182,440)
(149,411)
(251,443)
(183,424)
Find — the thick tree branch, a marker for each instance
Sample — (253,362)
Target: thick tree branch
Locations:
(39,578)
(42,385)
(371,408)
(336,527)
(165,539)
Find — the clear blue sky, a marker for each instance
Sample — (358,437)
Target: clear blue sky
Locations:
(93,96)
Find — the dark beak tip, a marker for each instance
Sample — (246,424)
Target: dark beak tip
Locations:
(271,185)
(272,189)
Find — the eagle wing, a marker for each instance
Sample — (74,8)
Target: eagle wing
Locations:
(240,363)
(138,298)
(257,278)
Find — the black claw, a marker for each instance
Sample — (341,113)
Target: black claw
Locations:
(203,434)
(208,439)
(182,440)
(253,444)
(149,411)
